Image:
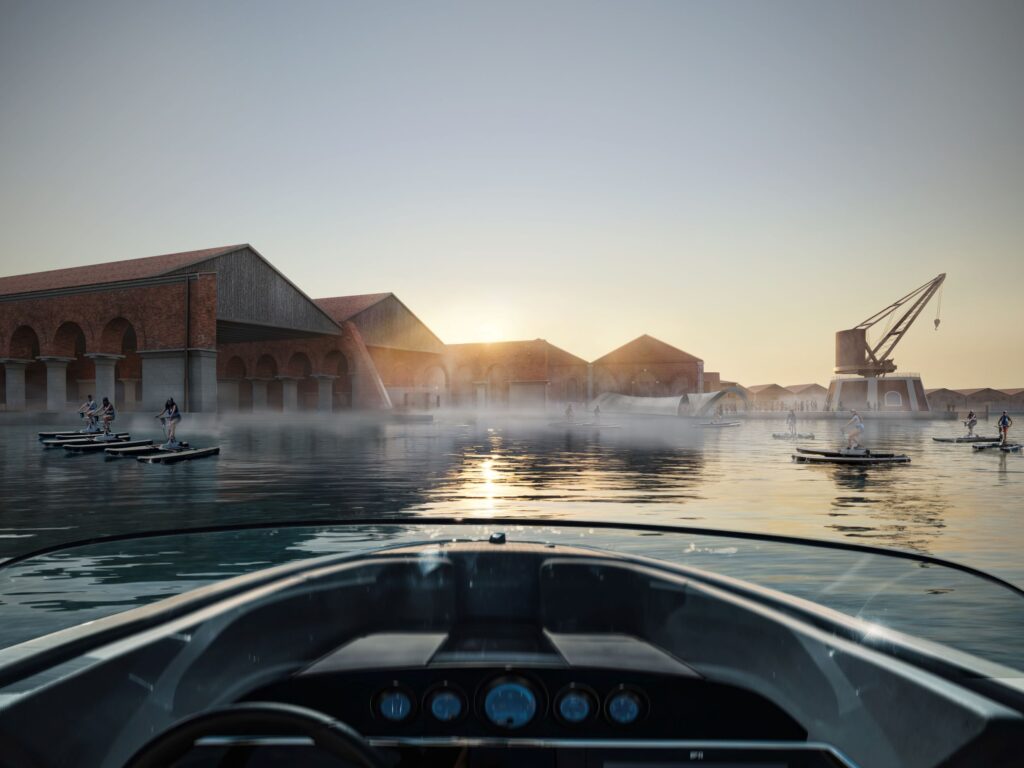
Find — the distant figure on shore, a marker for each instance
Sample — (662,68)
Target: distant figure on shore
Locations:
(597,413)
(854,431)
(88,412)
(791,422)
(1004,424)
(170,416)
(971,423)
(568,412)
(107,414)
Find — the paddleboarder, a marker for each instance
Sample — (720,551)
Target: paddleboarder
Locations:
(1004,424)
(854,431)
(568,412)
(791,422)
(597,413)
(107,414)
(88,412)
(170,416)
(971,423)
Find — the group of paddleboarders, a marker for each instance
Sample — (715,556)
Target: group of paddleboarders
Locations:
(94,414)
(570,414)
(105,413)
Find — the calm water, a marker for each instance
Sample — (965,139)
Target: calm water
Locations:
(951,501)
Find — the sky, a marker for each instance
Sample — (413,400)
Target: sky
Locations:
(738,179)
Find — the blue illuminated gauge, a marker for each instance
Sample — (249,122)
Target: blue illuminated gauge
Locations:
(394,705)
(623,707)
(510,704)
(446,705)
(575,706)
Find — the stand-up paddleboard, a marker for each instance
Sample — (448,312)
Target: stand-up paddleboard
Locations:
(173,457)
(97,445)
(973,439)
(1008,447)
(58,442)
(719,424)
(134,451)
(857,456)
(68,433)
(791,436)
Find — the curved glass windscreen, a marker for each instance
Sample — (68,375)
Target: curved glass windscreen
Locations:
(927,600)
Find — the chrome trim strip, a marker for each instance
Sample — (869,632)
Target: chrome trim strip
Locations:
(458,741)
(255,741)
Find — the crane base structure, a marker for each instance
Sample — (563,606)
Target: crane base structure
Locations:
(893,394)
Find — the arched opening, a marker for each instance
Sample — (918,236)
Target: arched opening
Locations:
(301,368)
(69,341)
(463,390)
(497,386)
(336,364)
(235,389)
(119,338)
(434,385)
(266,369)
(25,346)
(893,399)
(645,384)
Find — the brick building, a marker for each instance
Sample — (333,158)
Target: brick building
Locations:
(515,374)
(217,328)
(647,367)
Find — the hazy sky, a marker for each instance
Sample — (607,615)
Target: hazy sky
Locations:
(740,179)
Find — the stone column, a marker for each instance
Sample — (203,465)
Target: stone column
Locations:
(131,402)
(56,382)
(202,380)
(325,391)
(105,381)
(289,393)
(873,393)
(259,394)
(14,371)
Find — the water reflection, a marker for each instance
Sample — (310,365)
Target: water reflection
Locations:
(950,501)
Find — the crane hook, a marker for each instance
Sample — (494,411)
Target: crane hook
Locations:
(937,321)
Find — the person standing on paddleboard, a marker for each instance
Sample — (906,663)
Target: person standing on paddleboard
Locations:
(854,431)
(971,423)
(791,422)
(1004,424)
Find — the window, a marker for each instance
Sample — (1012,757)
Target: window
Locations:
(893,400)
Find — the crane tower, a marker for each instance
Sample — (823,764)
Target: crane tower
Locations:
(865,370)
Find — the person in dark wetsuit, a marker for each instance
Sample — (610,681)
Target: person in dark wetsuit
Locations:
(1004,424)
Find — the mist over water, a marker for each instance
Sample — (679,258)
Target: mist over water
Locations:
(950,501)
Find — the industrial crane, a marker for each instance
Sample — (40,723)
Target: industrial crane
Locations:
(853,352)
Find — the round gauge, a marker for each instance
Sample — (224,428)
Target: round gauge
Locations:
(623,707)
(575,706)
(394,704)
(510,704)
(445,705)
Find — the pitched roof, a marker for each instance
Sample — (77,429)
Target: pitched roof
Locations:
(342,308)
(798,389)
(1014,392)
(647,349)
(759,388)
(108,272)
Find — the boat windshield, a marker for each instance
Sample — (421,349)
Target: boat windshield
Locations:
(920,596)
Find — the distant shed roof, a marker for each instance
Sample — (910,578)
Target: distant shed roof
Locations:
(646,349)
(799,389)
(109,272)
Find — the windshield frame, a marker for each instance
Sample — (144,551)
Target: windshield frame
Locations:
(522,521)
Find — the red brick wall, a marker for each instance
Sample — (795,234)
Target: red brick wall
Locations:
(646,379)
(156,313)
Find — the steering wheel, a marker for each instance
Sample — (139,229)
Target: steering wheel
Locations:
(248,718)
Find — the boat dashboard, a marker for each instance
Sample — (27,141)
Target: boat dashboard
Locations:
(471,654)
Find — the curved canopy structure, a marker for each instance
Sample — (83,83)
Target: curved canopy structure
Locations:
(677,405)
